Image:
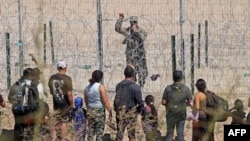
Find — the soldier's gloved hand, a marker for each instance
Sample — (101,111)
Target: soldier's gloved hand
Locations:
(121,15)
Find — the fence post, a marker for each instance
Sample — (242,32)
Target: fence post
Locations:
(44,43)
(20,42)
(182,20)
(206,41)
(51,42)
(192,61)
(173,53)
(183,59)
(99,27)
(7,35)
(199,45)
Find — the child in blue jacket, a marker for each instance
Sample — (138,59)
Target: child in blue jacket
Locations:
(78,115)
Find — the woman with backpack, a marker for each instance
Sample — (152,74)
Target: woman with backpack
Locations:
(203,124)
(199,112)
(96,100)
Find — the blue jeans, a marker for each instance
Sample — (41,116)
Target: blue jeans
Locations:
(173,122)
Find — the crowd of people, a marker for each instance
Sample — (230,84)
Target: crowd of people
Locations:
(176,98)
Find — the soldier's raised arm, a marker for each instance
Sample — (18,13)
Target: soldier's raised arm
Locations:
(118,25)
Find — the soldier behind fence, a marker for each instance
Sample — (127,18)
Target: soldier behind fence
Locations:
(135,52)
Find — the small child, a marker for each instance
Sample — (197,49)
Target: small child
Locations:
(78,115)
(237,113)
(150,119)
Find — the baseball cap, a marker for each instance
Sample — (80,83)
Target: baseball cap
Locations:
(61,64)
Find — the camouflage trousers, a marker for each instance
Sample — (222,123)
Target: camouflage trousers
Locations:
(96,123)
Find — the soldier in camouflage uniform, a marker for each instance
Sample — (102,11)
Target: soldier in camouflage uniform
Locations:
(135,52)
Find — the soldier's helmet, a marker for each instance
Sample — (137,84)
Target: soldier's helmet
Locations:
(133,19)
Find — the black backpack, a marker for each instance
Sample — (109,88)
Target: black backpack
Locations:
(217,107)
(23,97)
(123,97)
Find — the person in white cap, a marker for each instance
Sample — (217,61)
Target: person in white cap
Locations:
(135,52)
(61,88)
